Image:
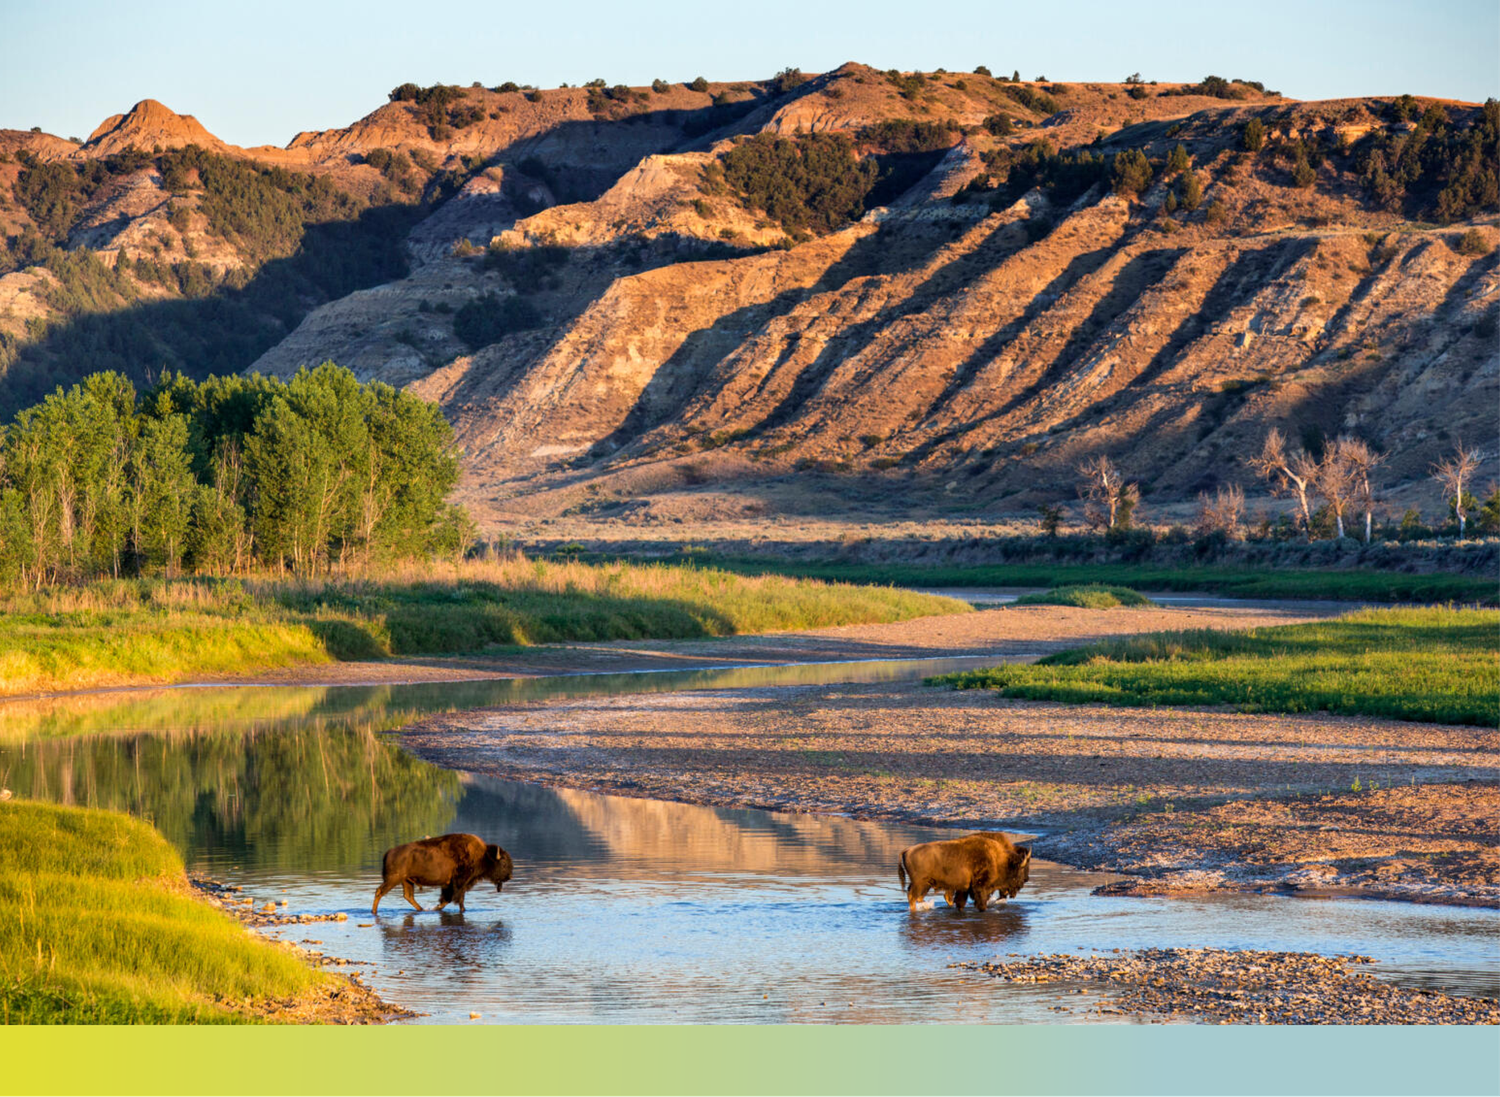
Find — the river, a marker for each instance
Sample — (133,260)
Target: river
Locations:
(626,910)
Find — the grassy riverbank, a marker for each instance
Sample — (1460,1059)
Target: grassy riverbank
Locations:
(97,927)
(1352,584)
(1435,664)
(130,632)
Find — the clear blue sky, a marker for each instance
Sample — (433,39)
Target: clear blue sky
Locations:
(257,73)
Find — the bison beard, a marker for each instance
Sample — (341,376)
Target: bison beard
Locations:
(454,862)
(974,867)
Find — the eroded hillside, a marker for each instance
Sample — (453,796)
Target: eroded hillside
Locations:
(943,288)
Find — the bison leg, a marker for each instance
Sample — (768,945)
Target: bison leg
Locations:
(915,894)
(981,898)
(380,894)
(410,893)
(960,899)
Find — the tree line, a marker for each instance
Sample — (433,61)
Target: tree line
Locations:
(223,475)
(1334,488)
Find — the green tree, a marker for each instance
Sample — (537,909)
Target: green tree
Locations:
(1190,191)
(1178,160)
(1131,172)
(1254,136)
(161,490)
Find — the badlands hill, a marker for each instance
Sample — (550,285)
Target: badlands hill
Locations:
(926,292)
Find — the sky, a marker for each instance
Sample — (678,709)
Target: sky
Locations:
(260,73)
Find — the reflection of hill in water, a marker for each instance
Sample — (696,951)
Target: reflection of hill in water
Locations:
(542,824)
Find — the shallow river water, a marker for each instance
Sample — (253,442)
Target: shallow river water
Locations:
(625,910)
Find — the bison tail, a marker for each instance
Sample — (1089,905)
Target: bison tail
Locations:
(901,869)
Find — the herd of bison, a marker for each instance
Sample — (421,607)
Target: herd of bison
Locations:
(977,867)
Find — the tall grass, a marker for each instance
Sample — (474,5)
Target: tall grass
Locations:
(139,631)
(1086,596)
(96,927)
(1433,664)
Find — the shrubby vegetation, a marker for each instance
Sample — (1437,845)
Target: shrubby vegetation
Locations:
(786,80)
(1437,170)
(813,182)
(440,107)
(222,475)
(1032,99)
(819,182)
(1065,177)
(490,318)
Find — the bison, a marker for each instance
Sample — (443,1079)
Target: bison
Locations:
(454,862)
(974,867)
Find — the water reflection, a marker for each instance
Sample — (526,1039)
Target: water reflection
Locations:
(247,708)
(963,930)
(297,799)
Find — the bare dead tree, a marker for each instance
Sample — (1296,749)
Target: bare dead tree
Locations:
(1289,473)
(1362,461)
(1223,511)
(1334,480)
(1452,473)
(1108,501)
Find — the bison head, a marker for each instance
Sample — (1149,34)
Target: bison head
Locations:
(497,866)
(1020,872)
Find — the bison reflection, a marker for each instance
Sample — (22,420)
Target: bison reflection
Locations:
(974,867)
(454,862)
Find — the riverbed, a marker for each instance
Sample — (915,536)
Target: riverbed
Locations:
(630,909)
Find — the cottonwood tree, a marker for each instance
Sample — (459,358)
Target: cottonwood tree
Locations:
(1289,473)
(1108,501)
(218,475)
(1360,461)
(1335,481)
(161,495)
(1453,472)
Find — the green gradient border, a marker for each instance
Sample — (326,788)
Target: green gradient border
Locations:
(1131,1059)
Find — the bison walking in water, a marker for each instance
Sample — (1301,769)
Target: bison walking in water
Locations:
(454,862)
(976,866)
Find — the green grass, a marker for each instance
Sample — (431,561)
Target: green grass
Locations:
(1086,596)
(1352,584)
(132,632)
(97,927)
(1434,664)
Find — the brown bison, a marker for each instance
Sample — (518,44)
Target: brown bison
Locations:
(454,862)
(974,867)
